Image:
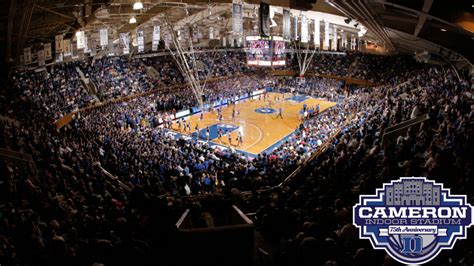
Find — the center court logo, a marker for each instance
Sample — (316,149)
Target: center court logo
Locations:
(413,219)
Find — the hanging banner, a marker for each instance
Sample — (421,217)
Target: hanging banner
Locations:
(167,40)
(224,41)
(155,38)
(295,28)
(111,49)
(334,37)
(59,57)
(104,37)
(326,36)
(59,44)
(86,45)
(353,42)
(47,51)
(211,33)
(200,35)
(264,19)
(286,24)
(317,34)
(304,29)
(186,33)
(125,43)
(27,55)
(41,57)
(344,40)
(67,47)
(75,52)
(141,40)
(237,20)
(81,42)
(195,36)
(92,47)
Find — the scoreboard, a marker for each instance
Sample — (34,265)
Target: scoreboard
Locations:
(265,52)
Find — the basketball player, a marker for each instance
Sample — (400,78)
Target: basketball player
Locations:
(179,124)
(208,133)
(219,134)
(230,139)
(280,113)
(202,116)
(240,139)
(189,126)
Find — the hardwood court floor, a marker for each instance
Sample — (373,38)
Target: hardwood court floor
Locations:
(259,130)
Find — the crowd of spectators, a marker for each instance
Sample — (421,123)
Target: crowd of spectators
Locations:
(68,211)
(56,89)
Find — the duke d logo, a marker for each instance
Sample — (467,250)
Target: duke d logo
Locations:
(413,219)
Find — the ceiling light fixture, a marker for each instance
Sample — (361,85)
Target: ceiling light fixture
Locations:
(347,20)
(138,5)
(443,30)
(132,20)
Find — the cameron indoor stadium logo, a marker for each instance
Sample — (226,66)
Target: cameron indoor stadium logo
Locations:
(413,219)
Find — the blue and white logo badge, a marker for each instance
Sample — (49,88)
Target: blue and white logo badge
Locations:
(413,219)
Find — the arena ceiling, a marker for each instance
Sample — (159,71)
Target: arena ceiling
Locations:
(442,27)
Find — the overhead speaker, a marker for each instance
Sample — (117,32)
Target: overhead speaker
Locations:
(303,5)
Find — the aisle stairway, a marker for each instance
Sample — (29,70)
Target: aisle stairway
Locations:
(88,84)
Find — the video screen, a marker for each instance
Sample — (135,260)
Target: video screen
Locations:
(265,53)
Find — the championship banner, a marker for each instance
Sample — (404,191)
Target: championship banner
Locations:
(81,42)
(41,57)
(27,55)
(304,29)
(155,38)
(286,24)
(125,43)
(140,40)
(264,19)
(237,21)
(334,37)
(67,47)
(353,42)
(326,36)
(224,41)
(104,37)
(47,51)
(295,28)
(211,33)
(317,36)
(59,44)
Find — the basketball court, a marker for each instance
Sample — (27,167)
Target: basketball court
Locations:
(256,119)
